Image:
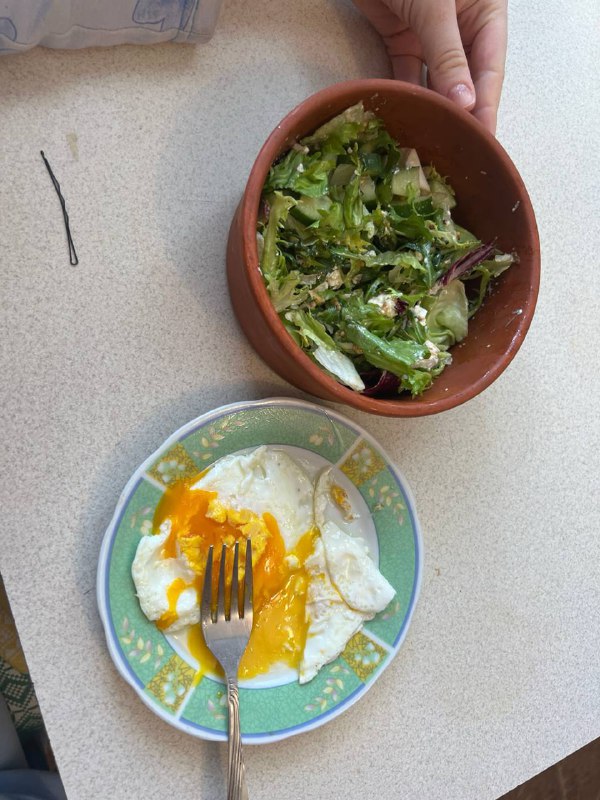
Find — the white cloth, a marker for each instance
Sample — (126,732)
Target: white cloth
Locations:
(91,23)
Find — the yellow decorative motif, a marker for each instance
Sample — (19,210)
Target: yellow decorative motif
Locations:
(363,655)
(362,464)
(170,684)
(173,466)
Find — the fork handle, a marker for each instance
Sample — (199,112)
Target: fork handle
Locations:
(236,773)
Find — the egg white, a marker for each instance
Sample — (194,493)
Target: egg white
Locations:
(322,498)
(353,573)
(265,480)
(153,574)
(331,622)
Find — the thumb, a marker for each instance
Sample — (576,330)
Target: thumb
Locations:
(436,25)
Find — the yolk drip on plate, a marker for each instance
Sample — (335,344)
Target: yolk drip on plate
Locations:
(173,592)
(198,521)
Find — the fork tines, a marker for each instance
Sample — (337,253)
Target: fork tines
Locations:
(223,608)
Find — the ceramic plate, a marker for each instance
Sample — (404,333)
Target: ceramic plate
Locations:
(160,669)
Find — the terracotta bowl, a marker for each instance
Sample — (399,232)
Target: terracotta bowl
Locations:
(492,202)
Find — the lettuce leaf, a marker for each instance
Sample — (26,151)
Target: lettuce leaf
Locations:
(352,207)
(308,175)
(442,194)
(289,292)
(365,279)
(394,355)
(342,129)
(448,315)
(326,352)
(485,273)
(272,263)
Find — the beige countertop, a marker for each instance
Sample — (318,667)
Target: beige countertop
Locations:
(499,676)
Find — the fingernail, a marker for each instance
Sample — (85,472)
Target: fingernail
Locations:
(462,95)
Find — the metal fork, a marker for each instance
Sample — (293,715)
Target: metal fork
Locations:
(226,634)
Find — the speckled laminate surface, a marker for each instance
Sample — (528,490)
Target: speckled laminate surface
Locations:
(500,675)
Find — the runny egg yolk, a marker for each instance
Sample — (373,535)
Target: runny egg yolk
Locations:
(173,592)
(199,521)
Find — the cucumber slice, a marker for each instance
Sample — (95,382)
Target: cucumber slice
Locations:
(411,176)
(367,190)
(372,163)
(423,206)
(442,195)
(308,209)
(411,157)
(465,235)
(412,160)
(404,180)
(342,175)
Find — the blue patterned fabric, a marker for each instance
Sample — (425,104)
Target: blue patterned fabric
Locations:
(89,23)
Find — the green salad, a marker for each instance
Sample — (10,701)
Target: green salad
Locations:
(363,261)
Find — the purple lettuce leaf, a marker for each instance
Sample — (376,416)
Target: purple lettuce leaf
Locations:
(380,383)
(468,262)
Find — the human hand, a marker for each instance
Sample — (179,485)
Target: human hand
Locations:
(462,43)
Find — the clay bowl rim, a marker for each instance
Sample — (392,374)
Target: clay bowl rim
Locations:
(278,141)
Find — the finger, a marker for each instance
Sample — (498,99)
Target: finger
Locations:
(488,55)
(488,116)
(408,68)
(382,18)
(403,46)
(406,55)
(436,25)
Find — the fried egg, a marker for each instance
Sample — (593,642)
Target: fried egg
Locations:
(330,495)
(331,622)
(164,585)
(265,481)
(314,583)
(353,573)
